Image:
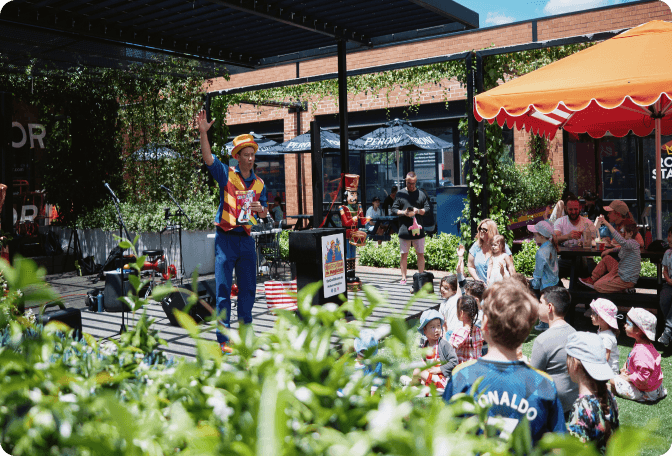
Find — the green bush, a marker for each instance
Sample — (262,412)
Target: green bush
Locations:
(148,217)
(530,185)
(524,260)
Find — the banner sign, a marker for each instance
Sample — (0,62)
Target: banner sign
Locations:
(333,265)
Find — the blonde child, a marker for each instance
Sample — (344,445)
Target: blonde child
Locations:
(610,275)
(467,340)
(641,378)
(594,415)
(603,315)
(500,264)
(450,292)
(442,356)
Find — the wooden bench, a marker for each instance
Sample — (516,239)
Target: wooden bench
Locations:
(519,221)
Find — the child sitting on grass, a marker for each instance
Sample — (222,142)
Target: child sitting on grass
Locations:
(603,315)
(641,378)
(442,356)
(467,340)
(594,415)
(508,316)
(610,275)
(450,292)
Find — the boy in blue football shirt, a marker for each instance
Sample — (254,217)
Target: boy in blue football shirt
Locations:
(511,388)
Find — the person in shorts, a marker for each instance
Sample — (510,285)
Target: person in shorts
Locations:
(410,205)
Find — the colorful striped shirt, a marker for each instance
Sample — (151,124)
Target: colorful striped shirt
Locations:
(630,259)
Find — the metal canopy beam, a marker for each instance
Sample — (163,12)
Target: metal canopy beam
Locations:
(102,29)
(451,10)
(296,18)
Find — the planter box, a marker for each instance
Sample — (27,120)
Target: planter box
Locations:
(198,247)
(518,223)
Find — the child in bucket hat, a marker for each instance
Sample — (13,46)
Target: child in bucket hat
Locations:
(641,378)
(546,260)
(442,356)
(594,415)
(603,315)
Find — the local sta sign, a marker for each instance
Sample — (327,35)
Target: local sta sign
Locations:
(665,162)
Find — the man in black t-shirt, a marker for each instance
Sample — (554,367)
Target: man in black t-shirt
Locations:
(410,205)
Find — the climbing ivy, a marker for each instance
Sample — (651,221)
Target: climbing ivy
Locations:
(97,118)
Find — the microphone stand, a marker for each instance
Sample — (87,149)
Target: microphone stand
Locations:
(122,229)
(179,214)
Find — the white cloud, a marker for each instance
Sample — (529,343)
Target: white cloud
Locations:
(499,19)
(569,6)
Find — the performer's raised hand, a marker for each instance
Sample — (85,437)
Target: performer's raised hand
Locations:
(202,121)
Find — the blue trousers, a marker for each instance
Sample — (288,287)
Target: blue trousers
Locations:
(235,251)
(350,250)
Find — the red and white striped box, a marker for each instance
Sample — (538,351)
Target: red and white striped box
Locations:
(280,295)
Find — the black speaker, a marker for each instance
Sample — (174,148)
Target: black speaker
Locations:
(71,317)
(116,286)
(203,309)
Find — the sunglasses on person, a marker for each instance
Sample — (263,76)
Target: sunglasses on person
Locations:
(483,230)
(629,322)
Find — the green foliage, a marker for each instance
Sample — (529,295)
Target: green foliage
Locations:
(148,216)
(524,261)
(440,253)
(287,391)
(648,269)
(496,69)
(96,118)
(284,244)
(530,185)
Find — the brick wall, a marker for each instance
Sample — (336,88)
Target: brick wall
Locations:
(606,19)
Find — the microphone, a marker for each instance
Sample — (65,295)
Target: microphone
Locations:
(110,190)
(166,189)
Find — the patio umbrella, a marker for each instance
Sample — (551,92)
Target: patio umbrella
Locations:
(328,140)
(153,151)
(620,85)
(397,134)
(265,145)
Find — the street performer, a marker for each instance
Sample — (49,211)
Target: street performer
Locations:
(241,193)
(352,216)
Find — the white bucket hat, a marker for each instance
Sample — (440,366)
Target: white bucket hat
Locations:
(606,310)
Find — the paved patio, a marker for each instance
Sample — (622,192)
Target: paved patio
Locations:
(73,288)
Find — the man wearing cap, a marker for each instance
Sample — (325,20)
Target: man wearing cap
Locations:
(619,215)
(410,205)
(240,189)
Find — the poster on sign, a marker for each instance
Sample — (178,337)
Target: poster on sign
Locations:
(333,265)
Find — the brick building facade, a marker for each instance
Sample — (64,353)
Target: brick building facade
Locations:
(615,17)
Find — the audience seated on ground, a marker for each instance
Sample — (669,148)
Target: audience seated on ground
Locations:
(468,339)
(442,354)
(548,349)
(508,315)
(450,292)
(594,415)
(641,378)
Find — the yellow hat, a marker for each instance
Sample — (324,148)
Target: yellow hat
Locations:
(242,141)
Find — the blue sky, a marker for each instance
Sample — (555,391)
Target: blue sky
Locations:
(497,12)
